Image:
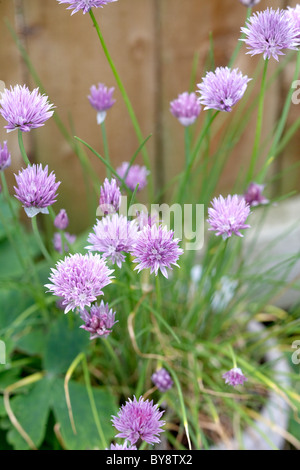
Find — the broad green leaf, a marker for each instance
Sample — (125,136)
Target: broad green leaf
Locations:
(31,410)
(64,342)
(32,343)
(86,436)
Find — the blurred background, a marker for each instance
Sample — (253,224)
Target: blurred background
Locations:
(153,44)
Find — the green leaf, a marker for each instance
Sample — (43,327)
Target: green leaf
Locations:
(32,343)
(86,436)
(31,410)
(63,343)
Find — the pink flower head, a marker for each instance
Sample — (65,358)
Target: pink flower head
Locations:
(156,248)
(222,89)
(79,280)
(135,175)
(228,216)
(23,109)
(270,31)
(139,420)
(186,108)
(294,15)
(85,5)
(36,189)
(110,197)
(234,377)
(57,242)
(253,196)
(113,235)
(101,99)
(121,447)
(162,380)
(99,321)
(61,221)
(143,219)
(5,157)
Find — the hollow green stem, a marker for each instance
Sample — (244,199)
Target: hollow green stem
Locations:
(22,148)
(40,241)
(187,145)
(255,151)
(124,95)
(106,151)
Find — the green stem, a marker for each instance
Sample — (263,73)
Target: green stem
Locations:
(40,241)
(193,156)
(92,401)
(22,148)
(187,145)
(106,151)
(240,42)
(283,119)
(255,151)
(158,293)
(124,95)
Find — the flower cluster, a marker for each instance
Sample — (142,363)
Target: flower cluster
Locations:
(228,216)
(162,380)
(156,248)
(222,89)
(133,175)
(110,197)
(99,320)
(5,157)
(23,109)
(234,377)
(269,32)
(113,236)
(85,5)
(101,99)
(139,420)
(186,108)
(79,280)
(36,189)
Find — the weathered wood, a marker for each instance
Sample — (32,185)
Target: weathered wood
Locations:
(152,43)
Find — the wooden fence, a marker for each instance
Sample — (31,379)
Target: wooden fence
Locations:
(153,43)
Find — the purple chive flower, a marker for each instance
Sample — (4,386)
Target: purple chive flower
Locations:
(294,15)
(57,242)
(234,377)
(139,420)
(144,219)
(186,108)
(113,235)
(121,447)
(136,175)
(228,216)
(85,5)
(222,89)
(79,280)
(110,197)
(99,321)
(23,109)
(253,196)
(61,221)
(36,189)
(5,157)
(270,31)
(162,380)
(156,248)
(101,99)
(249,3)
